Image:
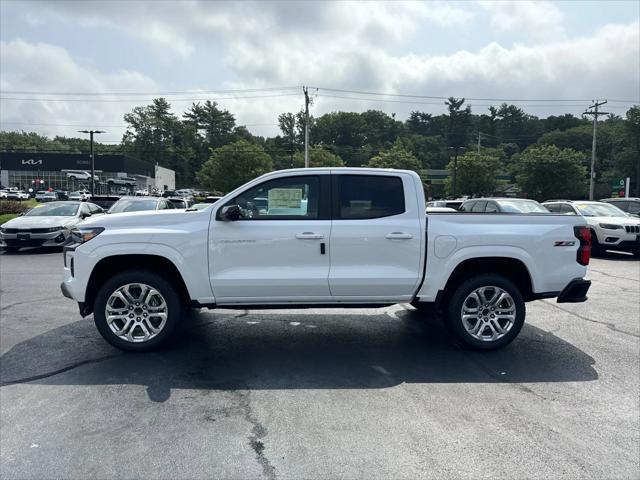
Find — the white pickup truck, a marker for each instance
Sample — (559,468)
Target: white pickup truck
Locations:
(323,238)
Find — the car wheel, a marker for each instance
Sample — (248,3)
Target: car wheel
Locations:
(486,312)
(137,310)
(596,248)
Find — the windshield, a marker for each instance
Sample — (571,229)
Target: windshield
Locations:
(53,210)
(130,205)
(522,206)
(599,210)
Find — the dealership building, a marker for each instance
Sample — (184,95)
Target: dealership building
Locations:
(71,171)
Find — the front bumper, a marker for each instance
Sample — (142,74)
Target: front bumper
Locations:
(59,238)
(575,292)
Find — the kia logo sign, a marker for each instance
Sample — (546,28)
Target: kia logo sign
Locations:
(31,161)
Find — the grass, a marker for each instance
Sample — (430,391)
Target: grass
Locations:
(6,217)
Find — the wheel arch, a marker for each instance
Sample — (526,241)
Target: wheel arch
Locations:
(112,265)
(511,268)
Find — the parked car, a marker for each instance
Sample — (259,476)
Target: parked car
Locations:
(628,205)
(455,204)
(611,228)
(200,206)
(45,226)
(3,193)
(181,202)
(62,194)
(441,210)
(17,195)
(138,204)
(122,181)
(168,193)
(76,175)
(44,196)
(502,205)
(364,241)
(105,201)
(80,196)
(184,192)
(141,193)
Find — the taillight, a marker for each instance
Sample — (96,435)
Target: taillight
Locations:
(584,251)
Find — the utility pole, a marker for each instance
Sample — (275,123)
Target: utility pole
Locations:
(455,169)
(91,132)
(306,126)
(593,110)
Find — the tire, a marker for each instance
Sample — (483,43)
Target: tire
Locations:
(596,248)
(512,307)
(132,282)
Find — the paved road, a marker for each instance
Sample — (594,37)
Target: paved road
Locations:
(378,393)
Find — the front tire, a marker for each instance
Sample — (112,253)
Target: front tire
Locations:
(486,312)
(137,310)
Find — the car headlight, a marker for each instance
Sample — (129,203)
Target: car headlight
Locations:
(82,235)
(54,229)
(610,226)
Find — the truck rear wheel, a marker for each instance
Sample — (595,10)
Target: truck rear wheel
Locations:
(486,312)
(137,310)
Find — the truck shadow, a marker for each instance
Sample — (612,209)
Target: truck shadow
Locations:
(231,351)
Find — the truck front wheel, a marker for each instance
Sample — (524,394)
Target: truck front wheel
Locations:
(137,310)
(486,312)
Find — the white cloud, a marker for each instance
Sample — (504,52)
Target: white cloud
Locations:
(41,67)
(537,19)
(357,46)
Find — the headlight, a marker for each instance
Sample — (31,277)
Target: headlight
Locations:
(610,226)
(54,229)
(82,235)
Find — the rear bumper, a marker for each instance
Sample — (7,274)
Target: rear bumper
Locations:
(625,245)
(575,292)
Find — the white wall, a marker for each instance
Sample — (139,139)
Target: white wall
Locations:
(165,179)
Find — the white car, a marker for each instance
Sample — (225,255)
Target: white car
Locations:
(17,195)
(611,228)
(80,196)
(4,193)
(45,226)
(322,237)
(43,196)
(80,175)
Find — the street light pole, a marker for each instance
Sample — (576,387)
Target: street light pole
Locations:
(91,132)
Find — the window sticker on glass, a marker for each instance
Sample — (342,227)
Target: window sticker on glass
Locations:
(285,198)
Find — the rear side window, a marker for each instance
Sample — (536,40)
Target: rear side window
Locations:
(467,206)
(624,206)
(566,208)
(553,207)
(479,206)
(368,196)
(492,208)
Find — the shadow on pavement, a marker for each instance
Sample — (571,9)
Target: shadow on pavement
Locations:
(231,351)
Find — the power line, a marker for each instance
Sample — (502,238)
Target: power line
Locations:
(133,100)
(360,92)
(2,122)
(183,92)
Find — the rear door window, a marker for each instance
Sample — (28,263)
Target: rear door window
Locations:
(467,206)
(566,208)
(363,197)
(479,206)
(492,207)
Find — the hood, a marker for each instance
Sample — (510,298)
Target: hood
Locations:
(614,220)
(41,222)
(145,218)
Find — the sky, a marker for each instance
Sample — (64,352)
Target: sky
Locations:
(69,65)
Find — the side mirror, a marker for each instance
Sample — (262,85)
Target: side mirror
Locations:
(231,213)
(85,215)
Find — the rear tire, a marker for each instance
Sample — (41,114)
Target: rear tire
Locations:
(486,312)
(144,310)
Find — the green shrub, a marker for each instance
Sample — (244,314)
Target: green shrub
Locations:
(8,206)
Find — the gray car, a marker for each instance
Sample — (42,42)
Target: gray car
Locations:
(45,226)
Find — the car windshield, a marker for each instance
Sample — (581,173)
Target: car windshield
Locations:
(133,205)
(599,210)
(522,206)
(53,210)
(201,206)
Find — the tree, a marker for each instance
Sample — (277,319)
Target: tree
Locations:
(633,132)
(546,171)
(216,124)
(318,157)
(476,174)
(233,165)
(459,121)
(396,157)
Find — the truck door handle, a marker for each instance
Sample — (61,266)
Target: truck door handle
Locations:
(398,236)
(309,236)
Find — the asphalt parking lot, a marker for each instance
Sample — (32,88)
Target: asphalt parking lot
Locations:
(378,393)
